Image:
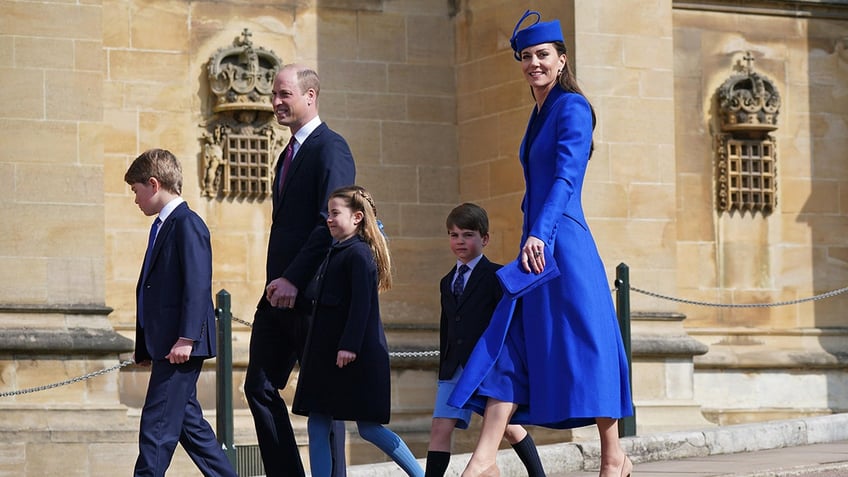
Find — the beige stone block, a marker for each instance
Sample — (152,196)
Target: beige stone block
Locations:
(384,107)
(382,37)
(401,144)
(476,141)
(651,201)
(42,183)
(605,199)
(469,106)
(474,182)
(13,457)
(22,281)
(599,51)
(694,208)
(648,52)
(116,24)
(156,129)
(332,105)
(414,390)
(656,83)
(230,256)
(496,70)
(74,96)
(599,81)
(419,263)
(634,162)
(171,97)
(624,120)
(41,459)
(421,79)
(7,52)
(7,184)
(390,183)
(436,109)
(438,185)
(353,76)
(120,133)
(649,379)
(44,53)
(438,48)
(505,176)
(507,97)
(364,137)
(697,263)
(168,19)
(334,33)
(424,220)
(90,143)
(23,93)
(51,20)
(157,66)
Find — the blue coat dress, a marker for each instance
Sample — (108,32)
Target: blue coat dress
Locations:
(557,352)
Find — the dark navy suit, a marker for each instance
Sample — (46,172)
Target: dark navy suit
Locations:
(177,303)
(297,245)
(464,319)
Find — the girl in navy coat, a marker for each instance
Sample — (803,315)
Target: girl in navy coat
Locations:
(561,362)
(344,372)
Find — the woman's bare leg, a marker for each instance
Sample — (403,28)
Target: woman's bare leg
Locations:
(614,462)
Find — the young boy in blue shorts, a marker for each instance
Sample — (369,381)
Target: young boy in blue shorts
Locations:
(469,294)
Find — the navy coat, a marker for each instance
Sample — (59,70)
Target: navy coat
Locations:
(346,316)
(178,289)
(463,320)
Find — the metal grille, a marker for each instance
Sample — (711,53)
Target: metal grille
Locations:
(750,173)
(249,461)
(248,167)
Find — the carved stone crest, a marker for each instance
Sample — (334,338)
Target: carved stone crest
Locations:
(240,139)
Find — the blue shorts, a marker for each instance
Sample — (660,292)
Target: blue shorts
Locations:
(443,410)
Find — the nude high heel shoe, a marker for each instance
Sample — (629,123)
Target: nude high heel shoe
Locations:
(627,468)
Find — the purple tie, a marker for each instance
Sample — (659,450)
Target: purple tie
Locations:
(459,283)
(288,154)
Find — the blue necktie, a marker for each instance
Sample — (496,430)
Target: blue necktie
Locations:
(150,241)
(459,283)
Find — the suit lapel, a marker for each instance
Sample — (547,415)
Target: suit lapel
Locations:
(302,156)
(164,230)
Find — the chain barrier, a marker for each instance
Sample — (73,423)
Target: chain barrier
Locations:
(741,305)
(435,353)
(68,381)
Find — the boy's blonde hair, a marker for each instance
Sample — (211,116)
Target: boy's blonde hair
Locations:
(360,200)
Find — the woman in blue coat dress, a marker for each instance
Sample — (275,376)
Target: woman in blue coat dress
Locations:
(554,357)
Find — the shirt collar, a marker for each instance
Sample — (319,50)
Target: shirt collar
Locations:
(169,207)
(471,263)
(303,133)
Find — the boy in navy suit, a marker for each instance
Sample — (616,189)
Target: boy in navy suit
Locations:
(469,294)
(175,321)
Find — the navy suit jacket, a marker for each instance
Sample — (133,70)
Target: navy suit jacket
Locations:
(299,238)
(463,320)
(177,289)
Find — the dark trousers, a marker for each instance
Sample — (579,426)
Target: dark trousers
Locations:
(276,344)
(172,414)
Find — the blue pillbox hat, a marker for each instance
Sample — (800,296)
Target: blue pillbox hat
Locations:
(538,32)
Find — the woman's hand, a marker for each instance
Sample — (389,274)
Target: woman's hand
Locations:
(533,255)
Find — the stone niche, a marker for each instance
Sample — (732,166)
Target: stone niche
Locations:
(746,165)
(239,140)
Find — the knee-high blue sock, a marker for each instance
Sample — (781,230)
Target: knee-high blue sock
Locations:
(320,458)
(390,443)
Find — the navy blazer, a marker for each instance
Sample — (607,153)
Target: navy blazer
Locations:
(299,237)
(463,320)
(177,289)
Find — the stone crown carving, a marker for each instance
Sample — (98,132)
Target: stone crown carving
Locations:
(748,101)
(241,77)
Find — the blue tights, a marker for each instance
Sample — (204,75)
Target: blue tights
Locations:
(321,463)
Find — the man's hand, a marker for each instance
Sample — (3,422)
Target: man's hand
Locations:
(281,293)
(181,351)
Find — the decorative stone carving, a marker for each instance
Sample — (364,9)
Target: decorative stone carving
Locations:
(748,107)
(240,139)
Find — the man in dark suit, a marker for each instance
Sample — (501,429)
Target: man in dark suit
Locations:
(175,321)
(469,294)
(316,161)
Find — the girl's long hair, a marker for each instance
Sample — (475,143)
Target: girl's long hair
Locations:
(360,200)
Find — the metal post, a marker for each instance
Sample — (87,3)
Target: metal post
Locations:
(224,376)
(627,425)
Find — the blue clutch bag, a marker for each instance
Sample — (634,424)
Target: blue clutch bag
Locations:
(516,282)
